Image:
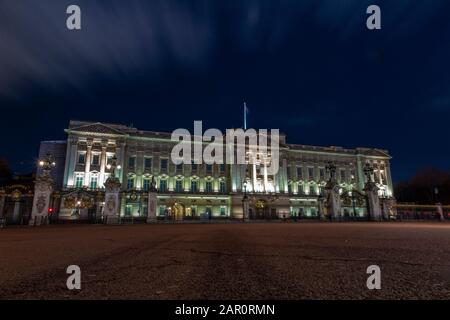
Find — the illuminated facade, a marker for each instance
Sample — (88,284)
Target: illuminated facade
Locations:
(201,191)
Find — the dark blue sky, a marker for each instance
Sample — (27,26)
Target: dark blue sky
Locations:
(310,68)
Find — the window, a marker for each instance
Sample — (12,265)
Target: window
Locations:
(81,158)
(322,173)
(289,188)
(222,167)
(289,172)
(299,173)
(312,189)
(109,160)
(94,180)
(131,162)
(180,168)
(208,186)
(222,187)
(163,185)
(146,185)
(79,181)
(194,167)
(178,186)
(311,173)
(300,189)
(130,182)
(343,175)
(223,210)
(162,211)
(194,186)
(164,163)
(208,168)
(95,159)
(148,163)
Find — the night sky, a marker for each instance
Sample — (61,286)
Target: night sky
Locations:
(310,68)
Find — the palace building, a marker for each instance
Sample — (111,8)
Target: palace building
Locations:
(201,191)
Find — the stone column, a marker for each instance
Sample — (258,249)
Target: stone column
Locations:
(71,158)
(374,204)
(2,203)
(333,203)
(43,188)
(321,207)
(112,202)
(387,170)
(16,212)
(245,208)
(87,168)
(332,194)
(440,211)
(371,190)
(101,178)
(152,202)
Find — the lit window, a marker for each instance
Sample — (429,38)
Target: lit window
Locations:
(163,185)
(79,181)
(194,186)
(146,185)
(81,158)
(95,159)
(93,184)
(208,186)
(178,186)
(222,187)
(130,182)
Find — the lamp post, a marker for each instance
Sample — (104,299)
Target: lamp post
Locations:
(46,164)
(353,198)
(245,201)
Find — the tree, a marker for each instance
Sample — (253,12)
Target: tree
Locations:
(422,187)
(5,172)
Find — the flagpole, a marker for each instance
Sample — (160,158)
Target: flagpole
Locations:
(245,116)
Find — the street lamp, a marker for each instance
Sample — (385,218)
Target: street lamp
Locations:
(46,164)
(244,200)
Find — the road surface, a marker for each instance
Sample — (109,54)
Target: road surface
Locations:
(227,261)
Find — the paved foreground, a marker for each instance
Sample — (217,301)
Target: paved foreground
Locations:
(227,261)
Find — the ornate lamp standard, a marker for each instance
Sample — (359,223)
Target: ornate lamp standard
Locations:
(245,203)
(46,164)
(353,198)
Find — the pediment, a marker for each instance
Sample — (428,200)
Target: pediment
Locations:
(97,128)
